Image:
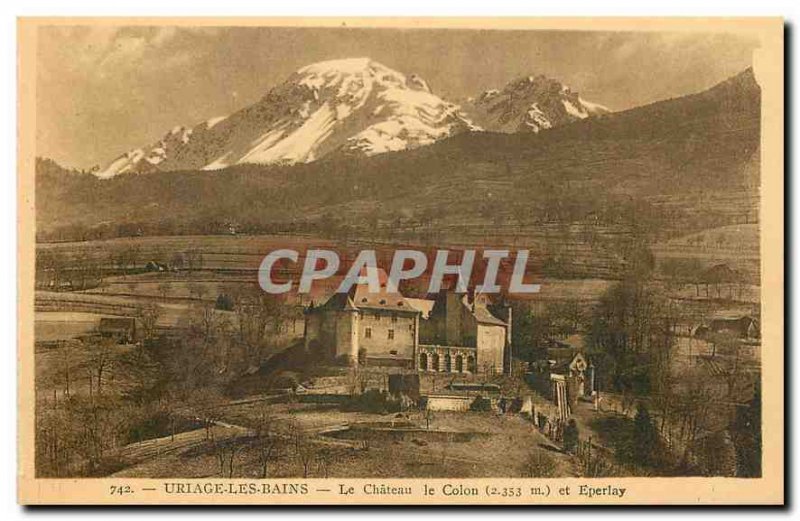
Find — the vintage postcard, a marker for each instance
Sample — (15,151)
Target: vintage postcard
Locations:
(401,261)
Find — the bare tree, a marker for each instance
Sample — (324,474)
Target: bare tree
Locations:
(325,460)
(225,450)
(207,321)
(270,444)
(304,449)
(197,291)
(163,289)
(98,361)
(68,352)
(148,317)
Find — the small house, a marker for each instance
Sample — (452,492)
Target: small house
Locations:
(744,327)
(121,329)
(565,373)
(155,266)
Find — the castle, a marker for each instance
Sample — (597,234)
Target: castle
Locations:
(454,333)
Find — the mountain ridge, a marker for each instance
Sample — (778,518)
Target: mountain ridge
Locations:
(356,104)
(692,161)
(352,106)
(530,104)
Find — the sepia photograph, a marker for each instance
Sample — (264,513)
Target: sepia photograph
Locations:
(462,261)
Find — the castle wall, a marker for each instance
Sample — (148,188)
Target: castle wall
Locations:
(378,344)
(491,342)
(346,335)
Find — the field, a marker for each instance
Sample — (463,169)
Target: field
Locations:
(186,278)
(472,445)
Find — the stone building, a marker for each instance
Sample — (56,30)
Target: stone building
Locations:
(363,327)
(565,374)
(462,335)
(456,333)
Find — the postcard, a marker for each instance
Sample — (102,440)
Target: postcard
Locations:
(419,261)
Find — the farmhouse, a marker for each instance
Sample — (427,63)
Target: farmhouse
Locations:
(566,374)
(453,334)
(121,329)
(740,326)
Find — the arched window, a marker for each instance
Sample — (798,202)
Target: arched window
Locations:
(448,363)
(472,367)
(459,364)
(435,362)
(423,362)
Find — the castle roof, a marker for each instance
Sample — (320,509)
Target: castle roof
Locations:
(360,297)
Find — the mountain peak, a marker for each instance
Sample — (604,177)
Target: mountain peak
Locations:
(342,65)
(530,104)
(352,105)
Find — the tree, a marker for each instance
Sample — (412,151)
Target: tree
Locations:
(261,318)
(197,291)
(325,459)
(646,442)
(224,302)
(531,331)
(270,444)
(571,436)
(206,320)
(68,353)
(178,261)
(148,317)
(632,327)
(226,451)
(98,360)
(746,433)
(304,450)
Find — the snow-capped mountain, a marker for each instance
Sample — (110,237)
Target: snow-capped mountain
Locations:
(352,105)
(529,104)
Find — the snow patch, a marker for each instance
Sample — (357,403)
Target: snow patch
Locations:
(299,145)
(573,110)
(220,163)
(536,119)
(211,123)
(594,108)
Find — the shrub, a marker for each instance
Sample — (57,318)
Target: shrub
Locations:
(570,436)
(481,404)
(372,401)
(285,380)
(224,302)
(540,465)
(646,440)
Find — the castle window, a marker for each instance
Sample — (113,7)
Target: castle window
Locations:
(393,352)
(364,299)
(383,301)
(400,304)
(391,334)
(368,332)
(394,318)
(411,327)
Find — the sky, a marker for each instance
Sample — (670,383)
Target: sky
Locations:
(103,90)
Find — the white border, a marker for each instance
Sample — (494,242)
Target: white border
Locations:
(10,10)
